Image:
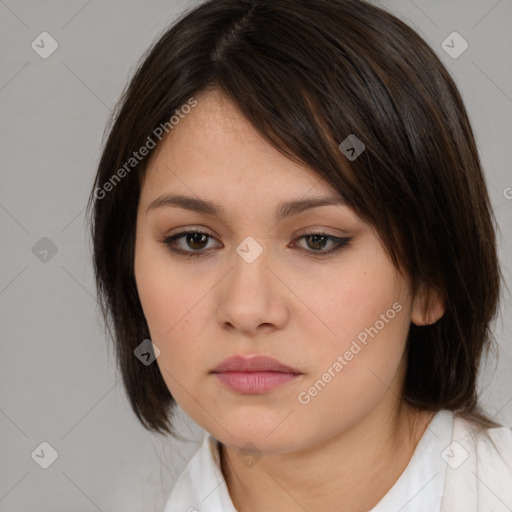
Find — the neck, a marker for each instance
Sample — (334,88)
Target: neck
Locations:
(350,471)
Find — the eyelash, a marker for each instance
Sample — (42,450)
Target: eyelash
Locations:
(339,242)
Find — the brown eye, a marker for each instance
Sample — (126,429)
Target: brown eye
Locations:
(196,240)
(192,243)
(316,242)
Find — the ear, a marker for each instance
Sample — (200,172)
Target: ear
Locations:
(427,306)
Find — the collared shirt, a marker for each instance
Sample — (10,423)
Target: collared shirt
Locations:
(457,466)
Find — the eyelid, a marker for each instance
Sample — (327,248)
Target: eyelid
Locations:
(198,228)
(326,230)
(310,230)
(303,232)
(339,242)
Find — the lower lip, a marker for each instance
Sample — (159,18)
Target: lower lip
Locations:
(254,382)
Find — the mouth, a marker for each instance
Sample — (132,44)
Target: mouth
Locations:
(254,375)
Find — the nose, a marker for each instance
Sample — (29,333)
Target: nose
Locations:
(252,297)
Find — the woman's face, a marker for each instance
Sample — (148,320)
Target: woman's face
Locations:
(256,284)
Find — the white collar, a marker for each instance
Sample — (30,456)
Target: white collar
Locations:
(420,486)
(202,487)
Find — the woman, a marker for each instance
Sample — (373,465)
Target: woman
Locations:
(290,206)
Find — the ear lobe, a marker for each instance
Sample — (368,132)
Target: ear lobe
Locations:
(428,306)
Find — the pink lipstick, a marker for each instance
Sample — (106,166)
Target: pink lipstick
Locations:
(254,375)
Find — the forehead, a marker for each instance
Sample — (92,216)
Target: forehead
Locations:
(215,150)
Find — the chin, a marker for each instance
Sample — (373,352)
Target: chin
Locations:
(263,435)
(260,444)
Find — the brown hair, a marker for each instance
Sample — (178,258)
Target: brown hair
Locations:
(307,74)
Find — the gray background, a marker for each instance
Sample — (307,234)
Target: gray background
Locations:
(58,377)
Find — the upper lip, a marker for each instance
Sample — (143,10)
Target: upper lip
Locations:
(253,364)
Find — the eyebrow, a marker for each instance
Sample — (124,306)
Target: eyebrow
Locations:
(284,209)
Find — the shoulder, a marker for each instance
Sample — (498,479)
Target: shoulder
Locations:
(492,445)
(184,495)
(201,485)
(479,473)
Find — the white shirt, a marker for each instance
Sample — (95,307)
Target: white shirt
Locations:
(456,467)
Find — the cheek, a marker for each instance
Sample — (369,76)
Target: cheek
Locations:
(358,367)
(358,296)
(173,305)
(164,297)
(173,322)
(367,310)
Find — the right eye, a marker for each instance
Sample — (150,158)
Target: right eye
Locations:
(194,239)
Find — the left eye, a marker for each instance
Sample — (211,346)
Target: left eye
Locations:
(317,241)
(198,240)
(194,239)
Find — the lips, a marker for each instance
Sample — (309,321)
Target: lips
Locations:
(253,364)
(254,375)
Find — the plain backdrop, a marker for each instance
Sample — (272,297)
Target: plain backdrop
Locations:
(58,383)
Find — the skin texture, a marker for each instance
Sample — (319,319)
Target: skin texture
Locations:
(352,440)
